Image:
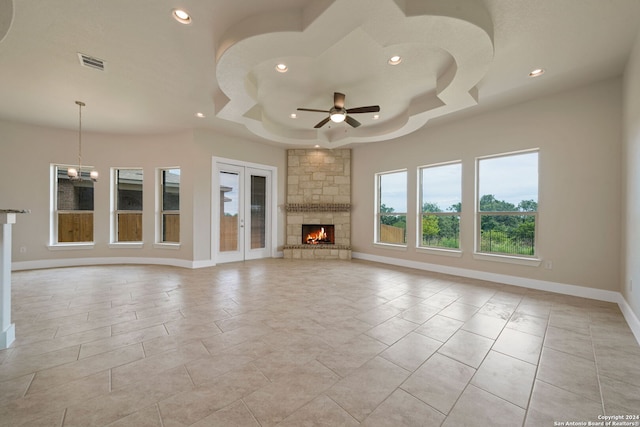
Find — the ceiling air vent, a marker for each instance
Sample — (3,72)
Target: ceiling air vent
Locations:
(91,62)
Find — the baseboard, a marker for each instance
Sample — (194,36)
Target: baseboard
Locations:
(8,336)
(76,262)
(524,282)
(630,317)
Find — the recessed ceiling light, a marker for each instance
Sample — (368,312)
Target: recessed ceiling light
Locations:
(537,72)
(376,116)
(316,146)
(293,115)
(395,60)
(199,115)
(282,68)
(181,16)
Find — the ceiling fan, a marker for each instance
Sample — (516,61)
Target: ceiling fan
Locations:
(339,114)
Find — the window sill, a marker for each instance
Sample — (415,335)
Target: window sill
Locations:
(126,245)
(174,246)
(441,252)
(392,246)
(70,246)
(531,262)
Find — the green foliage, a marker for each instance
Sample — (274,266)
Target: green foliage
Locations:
(501,242)
(394,220)
(431,207)
(526,229)
(489,203)
(507,234)
(430,226)
(440,230)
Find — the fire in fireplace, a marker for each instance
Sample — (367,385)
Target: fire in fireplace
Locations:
(318,234)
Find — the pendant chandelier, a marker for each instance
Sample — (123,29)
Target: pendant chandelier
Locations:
(75,174)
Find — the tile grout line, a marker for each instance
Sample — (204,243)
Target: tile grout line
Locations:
(535,374)
(159,414)
(595,359)
(64,417)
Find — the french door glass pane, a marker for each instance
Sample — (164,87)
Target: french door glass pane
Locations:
(258,211)
(229,204)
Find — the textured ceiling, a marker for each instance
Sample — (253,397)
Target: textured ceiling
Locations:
(459,57)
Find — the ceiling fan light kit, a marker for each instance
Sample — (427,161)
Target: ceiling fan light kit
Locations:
(339,114)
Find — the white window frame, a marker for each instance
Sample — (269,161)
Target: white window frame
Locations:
(377,213)
(53,213)
(529,260)
(437,250)
(160,211)
(114,210)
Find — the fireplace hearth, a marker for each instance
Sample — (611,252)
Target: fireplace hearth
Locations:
(318,234)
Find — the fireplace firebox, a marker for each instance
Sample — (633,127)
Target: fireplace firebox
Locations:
(318,234)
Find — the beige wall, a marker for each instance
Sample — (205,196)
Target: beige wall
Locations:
(631,182)
(27,151)
(209,144)
(579,136)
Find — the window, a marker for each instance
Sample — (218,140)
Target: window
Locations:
(72,200)
(128,205)
(391,207)
(507,204)
(169,205)
(440,206)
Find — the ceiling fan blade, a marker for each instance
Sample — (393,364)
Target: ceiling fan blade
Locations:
(313,109)
(321,123)
(338,99)
(369,109)
(353,122)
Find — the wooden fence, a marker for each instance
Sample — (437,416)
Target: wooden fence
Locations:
(75,227)
(391,234)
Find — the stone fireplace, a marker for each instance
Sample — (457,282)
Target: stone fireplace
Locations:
(318,201)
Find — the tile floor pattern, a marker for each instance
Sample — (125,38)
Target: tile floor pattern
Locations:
(295,343)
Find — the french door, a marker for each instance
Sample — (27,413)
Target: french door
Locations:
(243,215)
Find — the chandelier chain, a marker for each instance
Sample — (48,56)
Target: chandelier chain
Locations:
(80,105)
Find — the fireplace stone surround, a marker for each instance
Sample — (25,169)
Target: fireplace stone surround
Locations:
(318,192)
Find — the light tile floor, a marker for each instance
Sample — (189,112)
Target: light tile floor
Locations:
(293,343)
